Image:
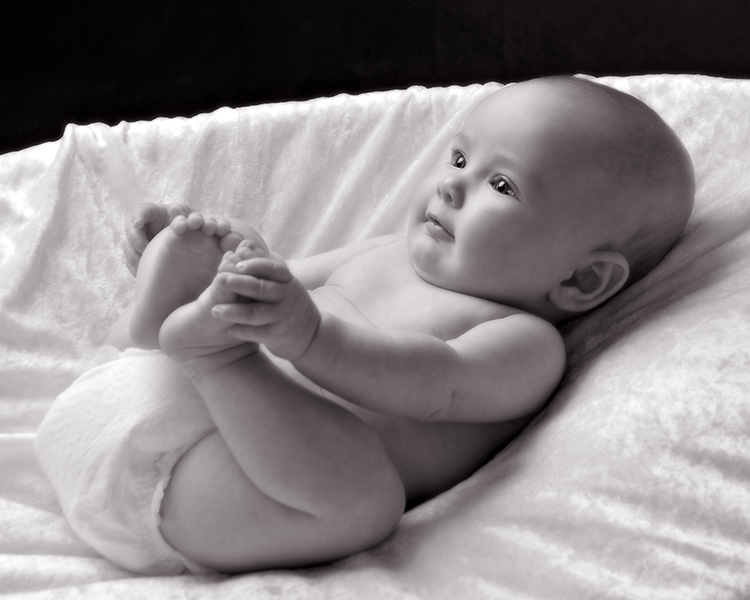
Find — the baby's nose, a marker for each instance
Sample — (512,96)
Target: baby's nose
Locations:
(451,189)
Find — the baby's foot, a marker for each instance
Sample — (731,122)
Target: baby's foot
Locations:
(150,218)
(191,335)
(178,264)
(147,221)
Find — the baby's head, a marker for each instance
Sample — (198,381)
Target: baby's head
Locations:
(558,192)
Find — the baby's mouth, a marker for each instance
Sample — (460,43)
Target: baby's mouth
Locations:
(434,223)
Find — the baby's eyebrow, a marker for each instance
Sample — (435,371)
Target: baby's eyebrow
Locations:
(460,137)
(506,161)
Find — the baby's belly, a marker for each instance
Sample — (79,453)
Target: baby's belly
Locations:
(430,456)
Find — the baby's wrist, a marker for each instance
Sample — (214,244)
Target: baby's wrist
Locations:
(308,339)
(323,335)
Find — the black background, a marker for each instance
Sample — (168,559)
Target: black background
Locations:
(110,61)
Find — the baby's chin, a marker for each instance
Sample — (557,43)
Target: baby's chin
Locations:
(437,275)
(422,254)
(426,267)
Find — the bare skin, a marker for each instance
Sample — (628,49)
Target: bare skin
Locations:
(301,478)
(351,384)
(381,461)
(161,287)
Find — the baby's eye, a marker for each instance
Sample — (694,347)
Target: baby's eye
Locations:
(458,160)
(501,186)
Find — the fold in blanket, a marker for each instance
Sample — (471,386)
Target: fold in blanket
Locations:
(632,483)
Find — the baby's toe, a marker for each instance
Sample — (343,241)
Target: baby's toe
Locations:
(209,226)
(195,221)
(223,227)
(179,224)
(175,210)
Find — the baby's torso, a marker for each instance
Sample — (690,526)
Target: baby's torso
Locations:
(381,289)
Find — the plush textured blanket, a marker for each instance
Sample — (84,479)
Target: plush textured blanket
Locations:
(633,483)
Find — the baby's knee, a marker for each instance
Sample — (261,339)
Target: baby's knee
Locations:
(376,513)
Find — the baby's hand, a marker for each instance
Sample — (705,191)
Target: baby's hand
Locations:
(281,314)
(148,220)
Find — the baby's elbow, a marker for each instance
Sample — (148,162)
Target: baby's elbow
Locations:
(556,359)
(443,408)
(543,381)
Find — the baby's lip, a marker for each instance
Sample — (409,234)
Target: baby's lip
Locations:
(438,224)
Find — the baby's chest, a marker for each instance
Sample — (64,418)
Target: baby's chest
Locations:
(387,291)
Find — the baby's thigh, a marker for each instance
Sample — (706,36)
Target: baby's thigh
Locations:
(213,514)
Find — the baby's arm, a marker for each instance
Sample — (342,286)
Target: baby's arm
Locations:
(499,370)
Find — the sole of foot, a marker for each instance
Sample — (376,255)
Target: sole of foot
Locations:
(193,337)
(175,269)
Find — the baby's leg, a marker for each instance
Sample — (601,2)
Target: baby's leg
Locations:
(176,266)
(289,479)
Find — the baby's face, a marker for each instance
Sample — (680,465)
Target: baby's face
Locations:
(505,216)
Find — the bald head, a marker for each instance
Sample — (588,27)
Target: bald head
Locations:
(648,186)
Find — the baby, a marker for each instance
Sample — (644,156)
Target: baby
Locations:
(348,386)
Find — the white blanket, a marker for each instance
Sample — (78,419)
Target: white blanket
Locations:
(633,483)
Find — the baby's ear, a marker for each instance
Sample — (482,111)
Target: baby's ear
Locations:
(591,285)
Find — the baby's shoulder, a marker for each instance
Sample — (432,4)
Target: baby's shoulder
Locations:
(521,334)
(518,324)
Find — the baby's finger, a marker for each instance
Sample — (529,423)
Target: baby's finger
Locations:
(255,314)
(248,333)
(262,290)
(266,268)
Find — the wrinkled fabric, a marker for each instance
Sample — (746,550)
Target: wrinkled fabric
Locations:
(632,483)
